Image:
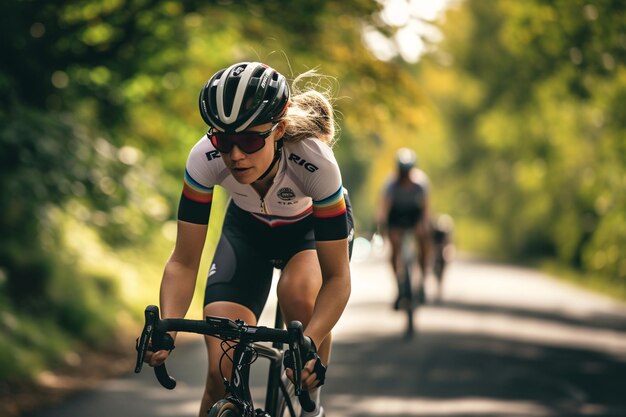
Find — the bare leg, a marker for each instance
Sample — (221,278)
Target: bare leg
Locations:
(424,253)
(297,290)
(214,389)
(395,239)
(298,287)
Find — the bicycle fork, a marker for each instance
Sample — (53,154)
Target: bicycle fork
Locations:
(238,387)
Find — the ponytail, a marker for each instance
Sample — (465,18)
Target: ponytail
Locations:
(310,112)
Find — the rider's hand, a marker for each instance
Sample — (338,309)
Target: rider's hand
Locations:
(309,377)
(313,373)
(156,358)
(164,347)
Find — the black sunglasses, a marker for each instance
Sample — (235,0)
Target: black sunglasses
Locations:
(249,142)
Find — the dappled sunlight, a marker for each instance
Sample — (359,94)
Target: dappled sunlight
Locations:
(514,326)
(187,408)
(349,405)
(518,307)
(515,110)
(504,341)
(414,29)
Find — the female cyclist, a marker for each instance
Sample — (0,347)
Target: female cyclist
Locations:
(405,205)
(271,150)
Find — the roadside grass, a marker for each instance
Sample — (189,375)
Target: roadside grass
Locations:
(478,239)
(94,301)
(612,288)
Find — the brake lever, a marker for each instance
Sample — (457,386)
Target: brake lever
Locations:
(297,372)
(296,341)
(151,316)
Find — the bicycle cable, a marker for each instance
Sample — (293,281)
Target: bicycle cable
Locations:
(227,346)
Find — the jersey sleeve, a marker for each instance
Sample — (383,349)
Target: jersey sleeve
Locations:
(420,178)
(388,187)
(198,184)
(331,217)
(326,190)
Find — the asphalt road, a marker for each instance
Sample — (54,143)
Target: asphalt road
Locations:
(504,341)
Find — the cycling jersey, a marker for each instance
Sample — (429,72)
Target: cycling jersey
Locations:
(407,201)
(308,182)
(305,203)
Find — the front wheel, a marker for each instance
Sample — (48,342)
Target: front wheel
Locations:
(408,300)
(287,406)
(438,268)
(281,408)
(223,408)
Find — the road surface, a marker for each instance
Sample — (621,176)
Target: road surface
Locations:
(504,341)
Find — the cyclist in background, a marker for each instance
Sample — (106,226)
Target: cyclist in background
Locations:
(271,150)
(443,248)
(405,205)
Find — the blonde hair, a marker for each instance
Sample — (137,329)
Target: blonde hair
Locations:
(310,112)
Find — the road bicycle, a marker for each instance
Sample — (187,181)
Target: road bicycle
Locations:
(439,264)
(243,342)
(408,298)
(443,248)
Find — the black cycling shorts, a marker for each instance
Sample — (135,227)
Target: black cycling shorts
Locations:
(404,218)
(249,250)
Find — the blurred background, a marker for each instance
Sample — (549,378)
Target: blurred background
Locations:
(516,110)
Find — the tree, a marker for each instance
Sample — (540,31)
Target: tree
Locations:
(540,135)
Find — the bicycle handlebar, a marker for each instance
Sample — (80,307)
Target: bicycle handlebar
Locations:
(226,329)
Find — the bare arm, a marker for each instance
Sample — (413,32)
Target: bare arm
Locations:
(179,278)
(335,291)
(424,238)
(382,213)
(181,270)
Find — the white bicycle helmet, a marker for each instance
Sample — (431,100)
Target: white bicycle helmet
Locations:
(405,159)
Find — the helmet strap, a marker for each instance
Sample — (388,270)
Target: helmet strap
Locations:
(277,153)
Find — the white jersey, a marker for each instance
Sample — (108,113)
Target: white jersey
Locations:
(308,181)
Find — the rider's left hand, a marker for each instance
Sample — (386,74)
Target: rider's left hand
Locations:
(309,377)
(313,373)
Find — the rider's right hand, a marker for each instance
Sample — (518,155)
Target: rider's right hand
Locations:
(164,346)
(156,358)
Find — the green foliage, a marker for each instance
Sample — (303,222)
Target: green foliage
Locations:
(98,113)
(540,134)
(518,119)
(39,329)
(30,344)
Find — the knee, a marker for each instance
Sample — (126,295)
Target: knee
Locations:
(297,303)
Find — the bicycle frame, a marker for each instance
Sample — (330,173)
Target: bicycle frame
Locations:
(246,338)
(275,356)
(409,250)
(240,389)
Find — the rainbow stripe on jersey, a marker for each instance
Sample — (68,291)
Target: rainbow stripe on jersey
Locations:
(274,221)
(195,191)
(331,206)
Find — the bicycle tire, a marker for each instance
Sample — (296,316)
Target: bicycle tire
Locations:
(409,301)
(438,268)
(224,408)
(282,406)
